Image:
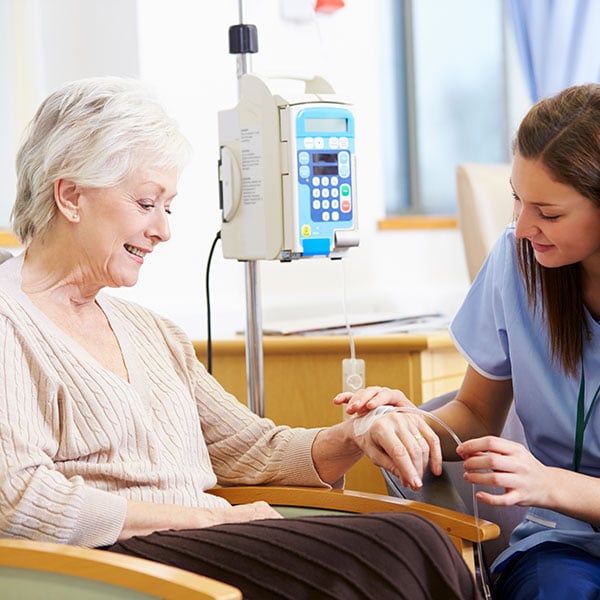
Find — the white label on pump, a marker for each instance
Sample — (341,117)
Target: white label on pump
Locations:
(251,155)
(254,235)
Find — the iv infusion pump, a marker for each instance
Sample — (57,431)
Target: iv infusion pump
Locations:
(287,173)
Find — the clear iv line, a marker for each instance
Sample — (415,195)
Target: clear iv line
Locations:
(345,308)
(414,409)
(457,441)
(423,413)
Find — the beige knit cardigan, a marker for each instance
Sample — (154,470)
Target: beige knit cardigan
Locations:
(77,441)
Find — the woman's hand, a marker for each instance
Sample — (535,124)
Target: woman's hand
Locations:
(503,463)
(240,513)
(143,518)
(401,442)
(363,401)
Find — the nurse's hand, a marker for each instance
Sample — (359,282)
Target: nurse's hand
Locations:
(503,463)
(401,442)
(363,401)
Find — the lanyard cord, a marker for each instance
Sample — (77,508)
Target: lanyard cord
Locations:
(583,419)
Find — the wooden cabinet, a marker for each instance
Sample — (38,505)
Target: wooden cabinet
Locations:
(303,374)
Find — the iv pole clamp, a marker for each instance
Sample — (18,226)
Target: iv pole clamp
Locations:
(243,42)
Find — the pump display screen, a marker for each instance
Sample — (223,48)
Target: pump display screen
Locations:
(325,163)
(325,169)
(334,125)
(325,157)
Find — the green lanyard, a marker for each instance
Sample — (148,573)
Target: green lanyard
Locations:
(583,419)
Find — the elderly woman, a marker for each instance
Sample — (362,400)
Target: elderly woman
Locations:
(111,430)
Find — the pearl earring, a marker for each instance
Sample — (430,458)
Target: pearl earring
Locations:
(75,216)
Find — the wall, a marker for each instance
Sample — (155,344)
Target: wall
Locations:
(43,44)
(183,52)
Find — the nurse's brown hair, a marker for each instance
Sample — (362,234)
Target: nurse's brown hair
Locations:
(563,132)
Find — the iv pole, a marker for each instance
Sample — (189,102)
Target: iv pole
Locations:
(243,41)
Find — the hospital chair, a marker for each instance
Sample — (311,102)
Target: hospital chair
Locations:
(36,570)
(485,207)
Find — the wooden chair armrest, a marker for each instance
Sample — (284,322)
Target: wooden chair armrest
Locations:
(174,584)
(454,523)
(121,570)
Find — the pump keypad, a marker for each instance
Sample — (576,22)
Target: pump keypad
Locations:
(327,174)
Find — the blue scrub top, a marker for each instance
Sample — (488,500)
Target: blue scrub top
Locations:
(502,338)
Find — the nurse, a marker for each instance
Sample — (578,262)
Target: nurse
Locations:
(529,331)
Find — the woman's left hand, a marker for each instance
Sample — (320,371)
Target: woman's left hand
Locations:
(503,463)
(402,443)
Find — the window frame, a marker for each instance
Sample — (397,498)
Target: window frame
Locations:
(408,209)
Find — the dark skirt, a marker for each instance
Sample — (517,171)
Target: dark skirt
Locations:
(378,556)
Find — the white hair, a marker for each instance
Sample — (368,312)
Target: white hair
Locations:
(94,132)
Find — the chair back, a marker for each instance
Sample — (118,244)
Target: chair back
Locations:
(485,207)
(4,255)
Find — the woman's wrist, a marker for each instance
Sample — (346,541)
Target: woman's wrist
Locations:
(335,450)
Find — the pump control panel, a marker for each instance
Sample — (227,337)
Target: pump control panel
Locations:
(287,173)
(323,173)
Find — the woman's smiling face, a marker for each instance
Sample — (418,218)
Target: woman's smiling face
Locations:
(120,225)
(562,226)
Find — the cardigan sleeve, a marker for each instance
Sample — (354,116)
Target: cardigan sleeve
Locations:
(247,449)
(244,448)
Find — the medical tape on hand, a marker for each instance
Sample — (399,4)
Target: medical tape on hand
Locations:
(363,424)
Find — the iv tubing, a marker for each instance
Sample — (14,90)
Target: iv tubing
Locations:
(345,308)
(363,424)
(425,414)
